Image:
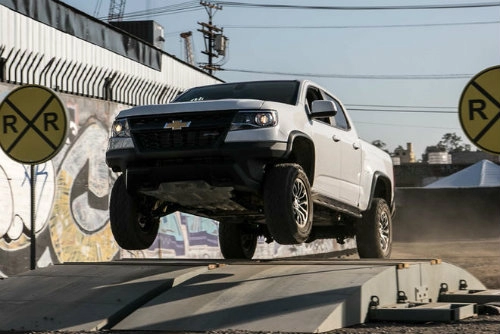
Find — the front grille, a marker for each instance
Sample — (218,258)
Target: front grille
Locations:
(206,130)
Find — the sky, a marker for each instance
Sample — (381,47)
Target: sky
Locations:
(400,70)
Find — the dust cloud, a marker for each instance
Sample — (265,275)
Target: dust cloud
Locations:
(446,214)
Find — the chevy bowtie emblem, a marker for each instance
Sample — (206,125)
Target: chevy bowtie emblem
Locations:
(177,125)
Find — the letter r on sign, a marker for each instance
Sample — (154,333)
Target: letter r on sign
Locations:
(49,118)
(476,106)
(9,121)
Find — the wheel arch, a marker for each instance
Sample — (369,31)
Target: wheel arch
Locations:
(300,150)
(381,188)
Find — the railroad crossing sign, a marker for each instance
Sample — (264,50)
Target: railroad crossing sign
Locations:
(479,110)
(33,124)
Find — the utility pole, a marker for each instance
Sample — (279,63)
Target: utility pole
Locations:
(215,41)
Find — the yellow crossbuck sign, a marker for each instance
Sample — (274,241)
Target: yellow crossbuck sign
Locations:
(479,110)
(33,124)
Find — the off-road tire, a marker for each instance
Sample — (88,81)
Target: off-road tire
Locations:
(288,204)
(374,231)
(131,229)
(237,241)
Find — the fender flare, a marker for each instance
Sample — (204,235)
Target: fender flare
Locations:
(310,166)
(389,190)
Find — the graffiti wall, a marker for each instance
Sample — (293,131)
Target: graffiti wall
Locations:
(72,194)
(71,205)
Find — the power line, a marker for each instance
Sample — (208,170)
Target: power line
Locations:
(400,7)
(402,109)
(360,76)
(405,111)
(364,26)
(164,10)
(407,125)
(195,5)
(396,106)
(130,16)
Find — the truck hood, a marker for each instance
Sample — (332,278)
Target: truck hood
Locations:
(181,107)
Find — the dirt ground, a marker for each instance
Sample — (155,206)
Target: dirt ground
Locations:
(479,257)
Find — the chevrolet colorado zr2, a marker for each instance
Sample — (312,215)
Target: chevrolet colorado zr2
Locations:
(278,159)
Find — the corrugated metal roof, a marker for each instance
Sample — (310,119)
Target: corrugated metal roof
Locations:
(76,54)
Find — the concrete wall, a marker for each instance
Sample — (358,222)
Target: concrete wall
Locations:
(420,175)
(447,214)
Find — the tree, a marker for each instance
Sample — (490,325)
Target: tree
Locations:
(451,142)
(399,148)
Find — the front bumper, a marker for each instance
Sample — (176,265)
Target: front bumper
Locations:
(239,165)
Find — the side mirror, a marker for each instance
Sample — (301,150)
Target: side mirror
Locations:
(323,108)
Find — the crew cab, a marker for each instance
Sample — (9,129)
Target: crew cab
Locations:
(279,159)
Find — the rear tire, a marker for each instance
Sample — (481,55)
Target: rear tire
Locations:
(237,241)
(287,204)
(374,231)
(131,229)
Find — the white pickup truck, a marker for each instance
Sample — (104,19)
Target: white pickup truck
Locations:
(278,159)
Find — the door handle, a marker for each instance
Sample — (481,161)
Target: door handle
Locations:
(335,138)
(356,145)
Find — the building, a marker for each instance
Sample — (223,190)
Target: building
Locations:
(404,156)
(436,155)
(52,44)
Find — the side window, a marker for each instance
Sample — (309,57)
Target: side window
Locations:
(314,94)
(340,119)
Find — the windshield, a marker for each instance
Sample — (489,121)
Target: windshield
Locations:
(277,91)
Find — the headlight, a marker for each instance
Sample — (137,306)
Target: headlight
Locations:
(254,119)
(120,128)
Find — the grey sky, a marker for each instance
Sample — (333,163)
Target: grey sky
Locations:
(399,71)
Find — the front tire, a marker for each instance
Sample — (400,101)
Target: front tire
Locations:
(374,231)
(237,241)
(131,229)
(287,204)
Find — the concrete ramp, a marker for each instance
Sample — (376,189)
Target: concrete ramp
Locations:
(76,297)
(262,297)
(288,296)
